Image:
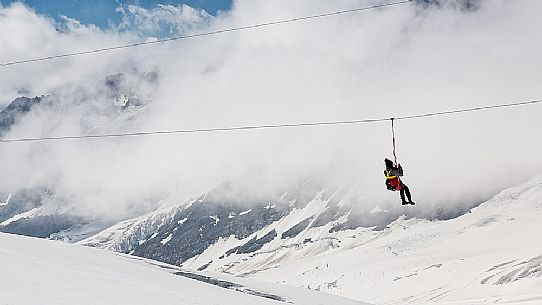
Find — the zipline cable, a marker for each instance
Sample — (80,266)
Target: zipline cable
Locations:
(253,26)
(164,132)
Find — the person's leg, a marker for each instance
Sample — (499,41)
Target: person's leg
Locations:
(402,193)
(407,191)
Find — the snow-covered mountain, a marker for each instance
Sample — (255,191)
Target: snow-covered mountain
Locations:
(491,254)
(181,232)
(183,209)
(314,234)
(226,221)
(39,271)
(36,209)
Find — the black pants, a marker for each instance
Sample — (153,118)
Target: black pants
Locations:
(404,189)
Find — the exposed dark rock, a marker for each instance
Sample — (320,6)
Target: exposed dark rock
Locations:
(205,266)
(464,5)
(330,214)
(198,230)
(254,244)
(298,228)
(42,226)
(223,212)
(23,201)
(16,110)
(134,88)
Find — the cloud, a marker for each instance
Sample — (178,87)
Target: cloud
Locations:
(161,20)
(387,62)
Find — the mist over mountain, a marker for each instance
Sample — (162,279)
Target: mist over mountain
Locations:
(304,206)
(421,58)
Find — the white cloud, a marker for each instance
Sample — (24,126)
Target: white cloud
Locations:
(162,20)
(387,62)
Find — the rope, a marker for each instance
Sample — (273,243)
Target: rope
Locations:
(393,136)
(164,132)
(259,25)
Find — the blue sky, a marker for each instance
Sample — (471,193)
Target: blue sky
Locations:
(102,12)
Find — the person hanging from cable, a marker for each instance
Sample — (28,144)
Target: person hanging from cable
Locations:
(393,171)
(394,183)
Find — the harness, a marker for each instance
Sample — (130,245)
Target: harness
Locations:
(393,183)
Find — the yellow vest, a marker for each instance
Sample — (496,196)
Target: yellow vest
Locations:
(388,176)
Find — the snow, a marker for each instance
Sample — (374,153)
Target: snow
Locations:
(378,209)
(203,197)
(123,236)
(492,255)
(166,240)
(180,222)
(245,212)
(268,254)
(121,101)
(270,206)
(37,271)
(216,219)
(213,252)
(27,214)
(489,256)
(6,202)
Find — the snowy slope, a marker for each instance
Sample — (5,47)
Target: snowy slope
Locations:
(216,228)
(184,231)
(490,256)
(36,271)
